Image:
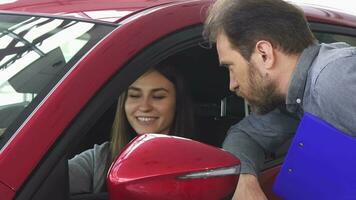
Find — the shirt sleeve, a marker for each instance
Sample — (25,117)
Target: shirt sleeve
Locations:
(256,135)
(87,170)
(81,172)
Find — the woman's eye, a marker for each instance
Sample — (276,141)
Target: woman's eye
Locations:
(159,97)
(133,96)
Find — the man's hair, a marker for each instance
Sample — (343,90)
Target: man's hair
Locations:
(245,22)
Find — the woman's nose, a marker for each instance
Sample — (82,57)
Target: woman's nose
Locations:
(145,105)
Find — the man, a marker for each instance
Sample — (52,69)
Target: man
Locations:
(276,64)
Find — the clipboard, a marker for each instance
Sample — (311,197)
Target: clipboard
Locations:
(320,164)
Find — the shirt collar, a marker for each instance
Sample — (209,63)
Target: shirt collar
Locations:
(299,77)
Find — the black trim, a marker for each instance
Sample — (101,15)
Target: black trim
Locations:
(327,28)
(58,177)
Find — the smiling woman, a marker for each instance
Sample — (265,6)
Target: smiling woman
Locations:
(150,103)
(154,103)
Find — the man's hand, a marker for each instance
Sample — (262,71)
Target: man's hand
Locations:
(248,188)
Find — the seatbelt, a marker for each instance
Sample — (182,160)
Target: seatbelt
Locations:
(320,164)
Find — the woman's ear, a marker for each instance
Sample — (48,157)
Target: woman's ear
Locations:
(264,54)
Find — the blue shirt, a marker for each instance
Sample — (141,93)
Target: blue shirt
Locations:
(323,83)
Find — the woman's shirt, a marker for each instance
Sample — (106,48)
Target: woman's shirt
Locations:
(87,170)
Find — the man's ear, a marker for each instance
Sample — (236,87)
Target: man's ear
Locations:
(265,54)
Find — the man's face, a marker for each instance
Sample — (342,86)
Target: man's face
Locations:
(246,80)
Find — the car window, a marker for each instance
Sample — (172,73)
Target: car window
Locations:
(332,37)
(34,53)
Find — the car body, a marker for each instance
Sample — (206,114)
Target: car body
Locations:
(70,109)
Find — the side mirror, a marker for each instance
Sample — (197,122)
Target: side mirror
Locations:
(155,166)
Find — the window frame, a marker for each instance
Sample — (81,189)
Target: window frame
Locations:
(104,30)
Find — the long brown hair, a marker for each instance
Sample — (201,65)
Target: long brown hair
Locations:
(182,125)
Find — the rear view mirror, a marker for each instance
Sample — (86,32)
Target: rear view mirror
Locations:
(155,166)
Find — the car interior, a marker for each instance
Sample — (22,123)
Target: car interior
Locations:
(215,107)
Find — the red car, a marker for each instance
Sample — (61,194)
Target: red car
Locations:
(63,64)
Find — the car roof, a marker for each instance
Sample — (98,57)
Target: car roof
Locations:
(325,14)
(116,10)
(102,10)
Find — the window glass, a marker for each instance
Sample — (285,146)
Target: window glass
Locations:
(332,37)
(34,53)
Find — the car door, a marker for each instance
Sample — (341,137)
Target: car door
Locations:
(43,140)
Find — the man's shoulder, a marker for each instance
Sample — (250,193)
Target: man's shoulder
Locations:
(336,50)
(333,53)
(334,62)
(333,82)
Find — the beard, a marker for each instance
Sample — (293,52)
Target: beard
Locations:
(263,96)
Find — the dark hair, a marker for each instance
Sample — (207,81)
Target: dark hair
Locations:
(183,124)
(183,121)
(245,22)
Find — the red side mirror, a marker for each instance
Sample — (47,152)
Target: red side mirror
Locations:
(155,166)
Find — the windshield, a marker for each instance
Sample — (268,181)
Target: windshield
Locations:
(35,52)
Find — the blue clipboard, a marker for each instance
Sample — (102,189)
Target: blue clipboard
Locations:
(320,164)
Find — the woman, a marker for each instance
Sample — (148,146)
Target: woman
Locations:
(155,103)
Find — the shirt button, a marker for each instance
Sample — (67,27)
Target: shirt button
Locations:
(298,101)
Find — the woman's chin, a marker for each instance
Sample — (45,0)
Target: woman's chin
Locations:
(144,131)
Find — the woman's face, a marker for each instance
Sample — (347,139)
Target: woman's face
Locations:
(150,104)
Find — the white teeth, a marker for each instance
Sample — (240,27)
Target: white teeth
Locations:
(145,119)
